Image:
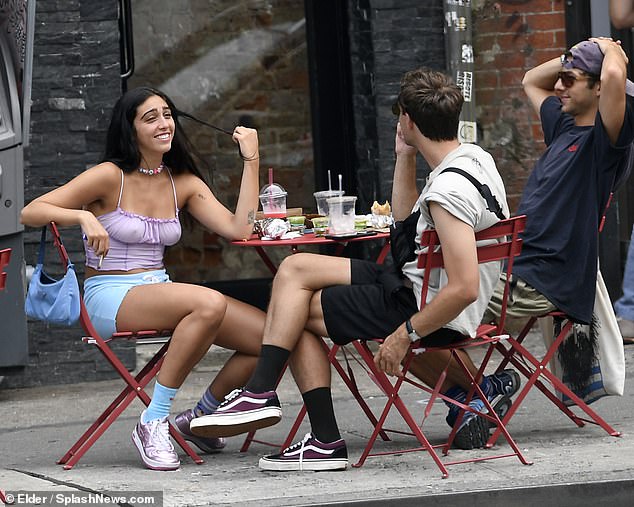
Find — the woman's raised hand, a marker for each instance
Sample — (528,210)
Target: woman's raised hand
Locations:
(248,140)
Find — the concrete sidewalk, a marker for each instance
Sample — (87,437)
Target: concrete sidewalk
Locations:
(572,466)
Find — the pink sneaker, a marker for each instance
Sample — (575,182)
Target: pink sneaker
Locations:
(152,440)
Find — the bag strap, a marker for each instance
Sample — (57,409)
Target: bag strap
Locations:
(492,203)
(40,255)
(42,250)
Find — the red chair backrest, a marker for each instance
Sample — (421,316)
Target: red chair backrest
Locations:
(5,257)
(508,246)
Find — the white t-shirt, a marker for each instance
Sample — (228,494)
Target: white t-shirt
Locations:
(461,198)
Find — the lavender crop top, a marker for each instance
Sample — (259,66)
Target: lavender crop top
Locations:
(136,241)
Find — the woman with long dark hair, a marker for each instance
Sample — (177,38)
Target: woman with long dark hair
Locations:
(128,208)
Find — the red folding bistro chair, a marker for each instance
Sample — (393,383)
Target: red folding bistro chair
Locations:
(5,257)
(537,371)
(538,375)
(506,248)
(134,385)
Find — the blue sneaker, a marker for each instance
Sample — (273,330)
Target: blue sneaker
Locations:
(473,431)
(504,383)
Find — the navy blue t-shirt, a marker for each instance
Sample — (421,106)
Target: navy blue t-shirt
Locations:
(564,198)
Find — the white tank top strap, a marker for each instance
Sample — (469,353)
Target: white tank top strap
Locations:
(174,189)
(120,190)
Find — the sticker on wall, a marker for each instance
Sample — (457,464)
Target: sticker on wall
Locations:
(455,22)
(467,132)
(464,80)
(467,53)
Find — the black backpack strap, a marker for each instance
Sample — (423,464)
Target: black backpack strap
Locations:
(492,203)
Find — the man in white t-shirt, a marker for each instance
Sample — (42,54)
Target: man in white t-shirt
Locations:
(348,299)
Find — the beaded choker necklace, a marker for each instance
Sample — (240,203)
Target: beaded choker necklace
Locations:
(152,172)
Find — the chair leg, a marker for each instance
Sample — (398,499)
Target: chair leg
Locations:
(516,355)
(247,441)
(351,383)
(184,445)
(123,399)
(395,400)
(134,389)
(71,458)
(533,378)
(517,349)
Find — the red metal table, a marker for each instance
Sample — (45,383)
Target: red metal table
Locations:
(311,239)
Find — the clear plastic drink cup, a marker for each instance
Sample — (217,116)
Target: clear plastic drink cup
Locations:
(341,214)
(321,200)
(273,200)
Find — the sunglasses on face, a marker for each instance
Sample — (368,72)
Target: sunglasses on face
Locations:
(568,78)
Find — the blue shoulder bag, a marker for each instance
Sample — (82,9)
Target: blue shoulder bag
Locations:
(50,300)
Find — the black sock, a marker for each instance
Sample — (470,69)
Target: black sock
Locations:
(268,370)
(321,414)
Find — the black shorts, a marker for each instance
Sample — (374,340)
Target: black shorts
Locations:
(373,306)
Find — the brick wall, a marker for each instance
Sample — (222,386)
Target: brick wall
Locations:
(390,37)
(75,83)
(231,62)
(509,38)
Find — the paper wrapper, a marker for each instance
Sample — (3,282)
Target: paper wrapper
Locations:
(379,221)
(271,228)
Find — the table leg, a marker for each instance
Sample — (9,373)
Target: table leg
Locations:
(266,260)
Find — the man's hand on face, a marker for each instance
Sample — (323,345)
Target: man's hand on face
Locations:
(400,145)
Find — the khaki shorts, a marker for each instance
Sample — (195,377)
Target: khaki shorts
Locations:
(524,302)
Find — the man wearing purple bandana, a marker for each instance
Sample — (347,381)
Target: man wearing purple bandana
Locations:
(585,105)
(587,117)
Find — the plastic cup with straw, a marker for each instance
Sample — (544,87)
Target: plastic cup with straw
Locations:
(273,199)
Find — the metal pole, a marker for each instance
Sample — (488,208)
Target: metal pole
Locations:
(459,49)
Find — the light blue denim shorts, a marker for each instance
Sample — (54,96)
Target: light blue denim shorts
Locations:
(103,295)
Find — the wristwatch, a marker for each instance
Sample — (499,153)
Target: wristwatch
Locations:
(411,332)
